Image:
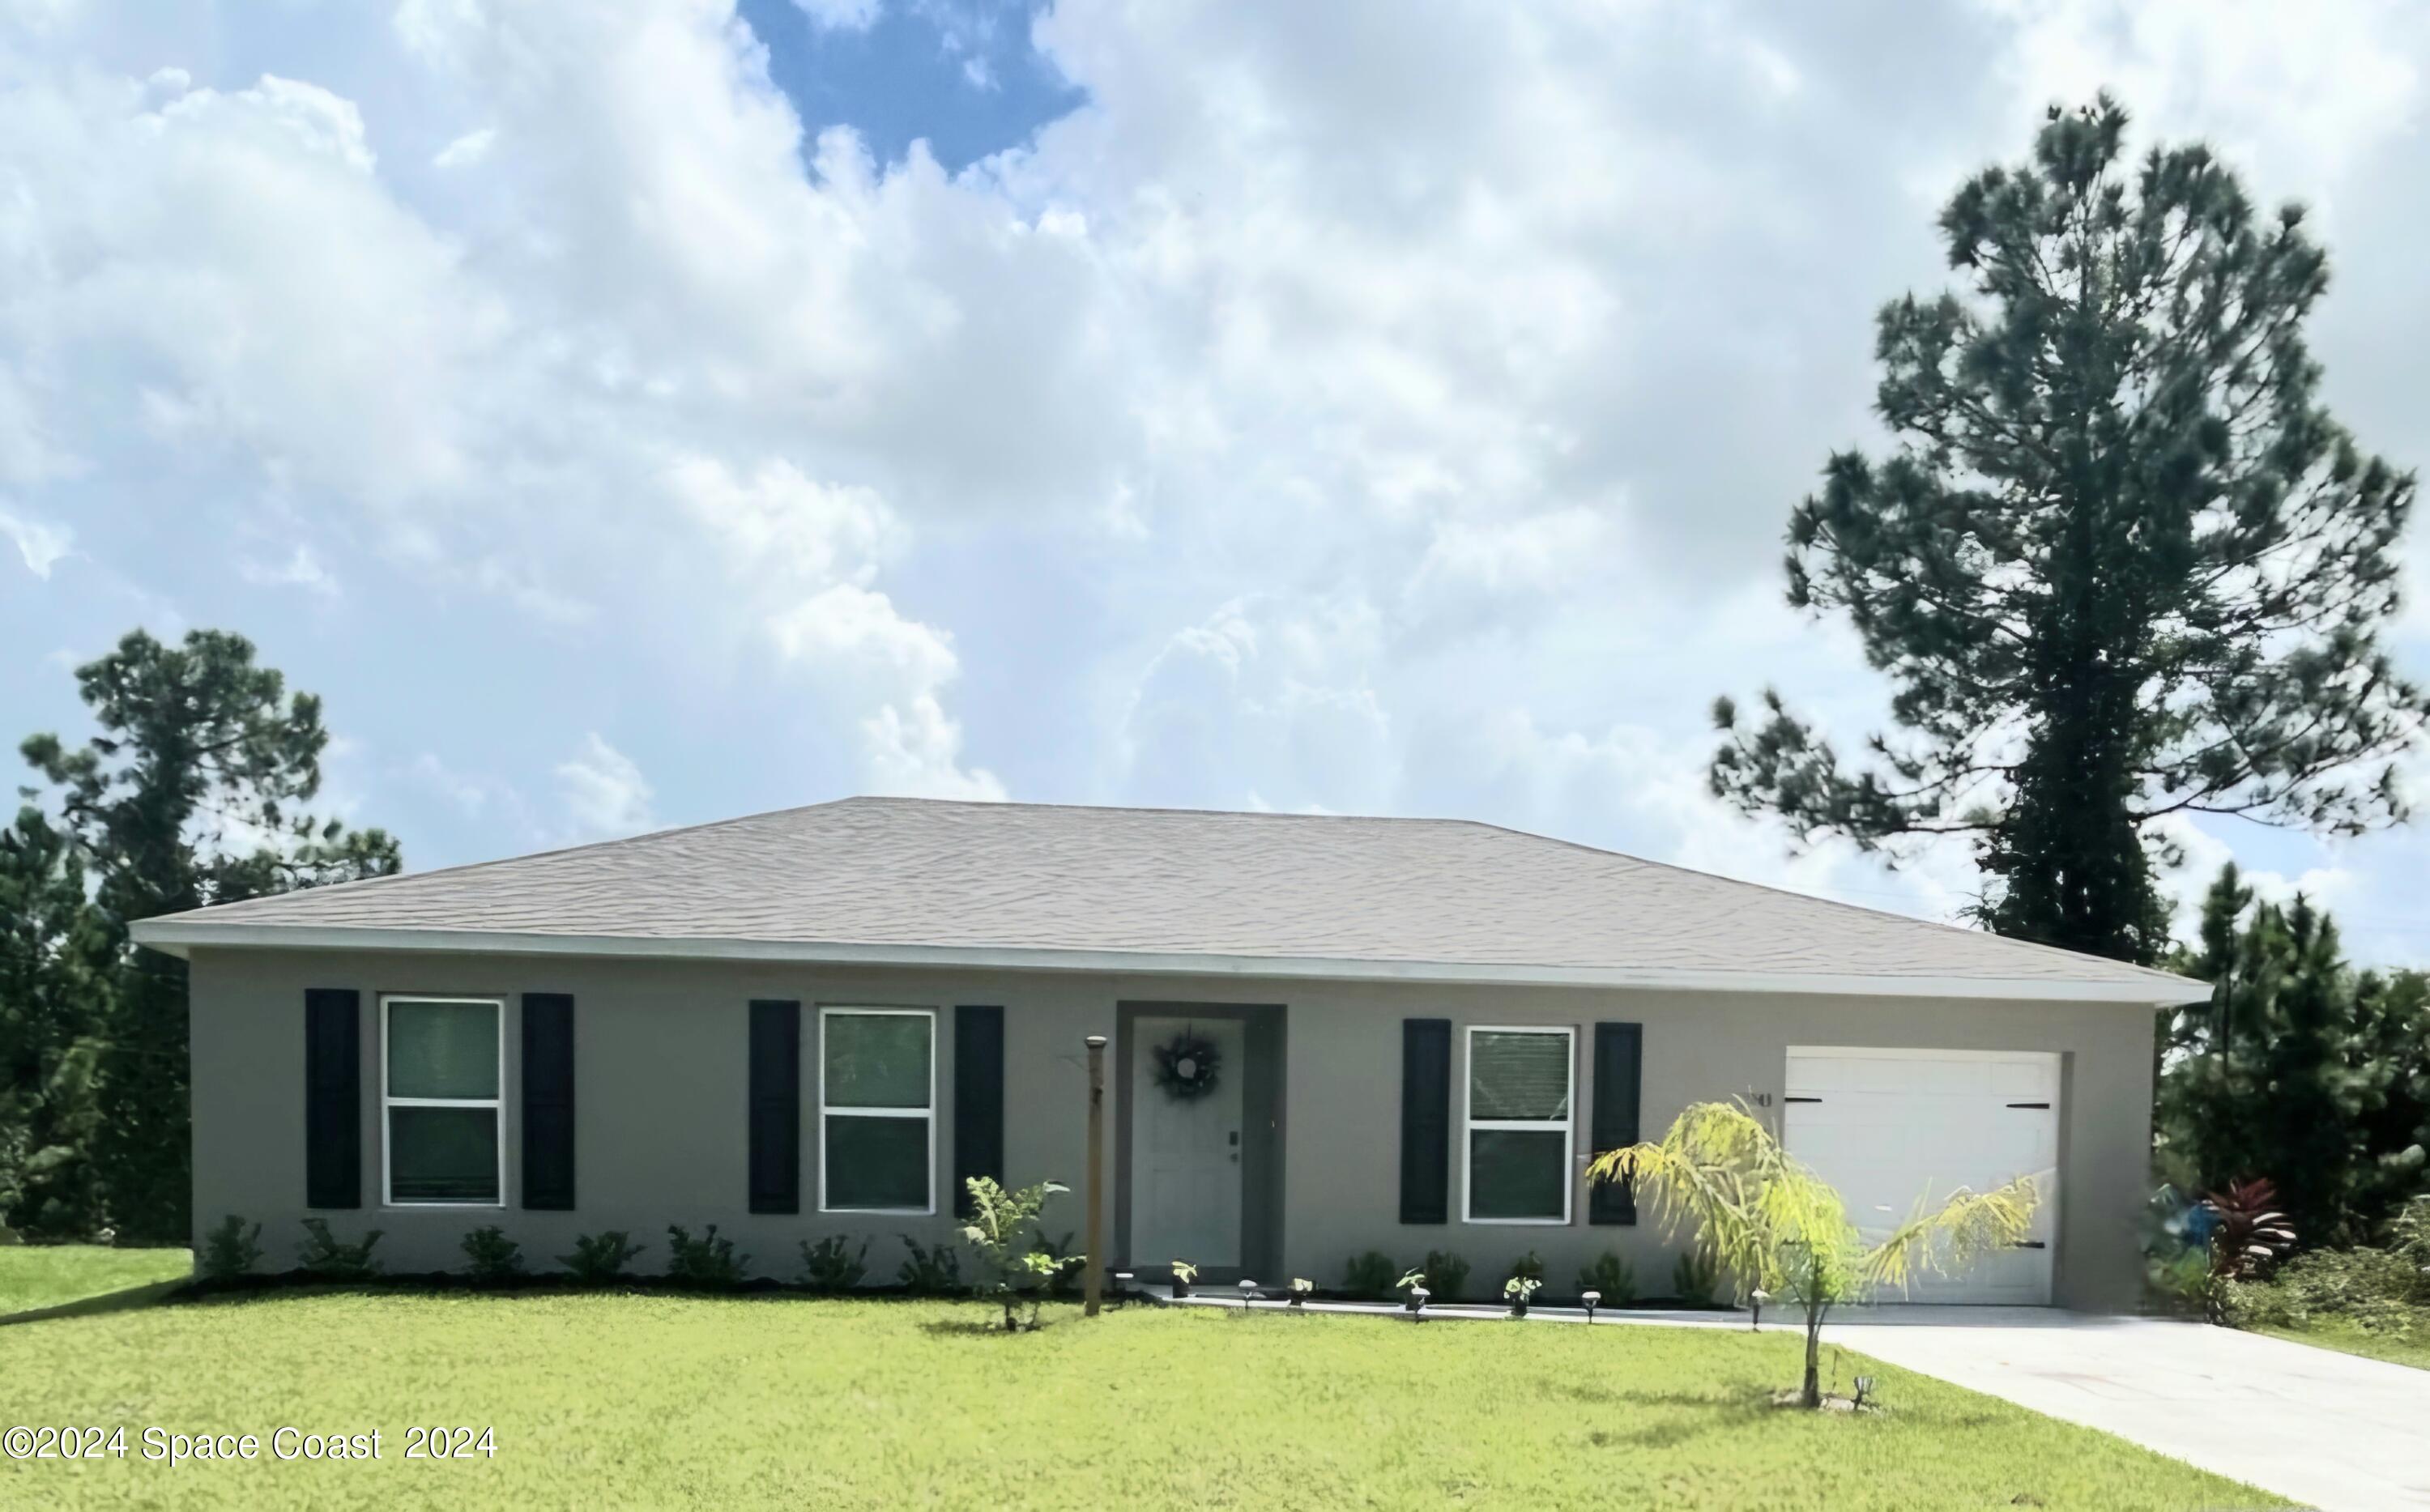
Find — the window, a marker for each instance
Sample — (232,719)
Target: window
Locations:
(441,1060)
(877,1102)
(1520,1138)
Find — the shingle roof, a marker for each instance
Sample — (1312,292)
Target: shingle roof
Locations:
(1179,886)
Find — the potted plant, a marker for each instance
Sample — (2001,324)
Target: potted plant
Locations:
(1301,1288)
(1517,1290)
(1412,1287)
(1183,1274)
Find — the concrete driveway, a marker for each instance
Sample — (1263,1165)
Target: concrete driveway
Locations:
(2324,1428)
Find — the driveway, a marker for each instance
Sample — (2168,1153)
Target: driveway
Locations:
(2324,1428)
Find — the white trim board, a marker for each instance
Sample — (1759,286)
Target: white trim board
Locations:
(178,937)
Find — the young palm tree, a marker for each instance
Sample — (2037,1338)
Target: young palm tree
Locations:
(1774,1225)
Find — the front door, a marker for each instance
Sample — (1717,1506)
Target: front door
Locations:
(1186,1143)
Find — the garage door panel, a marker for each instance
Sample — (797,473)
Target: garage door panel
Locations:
(1893,1128)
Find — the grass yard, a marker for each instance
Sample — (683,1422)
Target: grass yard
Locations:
(627,1399)
(2413,1350)
(45,1275)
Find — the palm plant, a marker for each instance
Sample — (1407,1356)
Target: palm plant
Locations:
(1776,1227)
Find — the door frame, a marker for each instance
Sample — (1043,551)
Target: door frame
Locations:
(1263,1056)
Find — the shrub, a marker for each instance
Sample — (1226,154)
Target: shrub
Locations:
(327,1259)
(2408,1236)
(832,1265)
(1370,1276)
(599,1259)
(1610,1275)
(1004,1233)
(1446,1274)
(1065,1282)
(492,1255)
(706,1261)
(935,1272)
(230,1250)
(1528,1267)
(2377,1290)
(1695,1278)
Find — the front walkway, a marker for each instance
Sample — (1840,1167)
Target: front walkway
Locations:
(2333,1430)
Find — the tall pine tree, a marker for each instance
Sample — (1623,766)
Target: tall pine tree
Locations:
(2120,565)
(187,797)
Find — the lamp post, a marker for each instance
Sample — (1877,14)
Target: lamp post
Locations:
(1096,1266)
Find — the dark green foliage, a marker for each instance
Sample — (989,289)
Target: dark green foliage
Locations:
(186,797)
(832,1265)
(324,1258)
(2122,565)
(599,1259)
(1446,1275)
(1528,1267)
(2375,1291)
(2300,1066)
(1370,1276)
(933,1272)
(1695,1278)
(491,1257)
(1614,1277)
(230,1250)
(706,1261)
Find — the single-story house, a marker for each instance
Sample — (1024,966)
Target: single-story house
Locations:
(1328,1034)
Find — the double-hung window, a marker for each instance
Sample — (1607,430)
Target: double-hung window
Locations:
(1521,1135)
(440,1112)
(877,1110)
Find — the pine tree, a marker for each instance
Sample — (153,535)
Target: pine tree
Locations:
(186,798)
(2122,564)
(2300,1068)
(54,964)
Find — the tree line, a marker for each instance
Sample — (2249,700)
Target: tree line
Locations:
(187,794)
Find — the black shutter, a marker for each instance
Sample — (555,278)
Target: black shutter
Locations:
(1425,1120)
(1619,1058)
(548,1101)
(775,1108)
(978,1099)
(333,1106)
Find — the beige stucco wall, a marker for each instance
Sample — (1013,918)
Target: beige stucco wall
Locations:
(661,1070)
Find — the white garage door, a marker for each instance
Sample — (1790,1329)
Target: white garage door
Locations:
(1888,1127)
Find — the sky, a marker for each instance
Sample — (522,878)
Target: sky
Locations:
(634,414)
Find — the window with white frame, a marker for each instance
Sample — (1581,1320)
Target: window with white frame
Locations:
(1521,1138)
(442,1064)
(877,1110)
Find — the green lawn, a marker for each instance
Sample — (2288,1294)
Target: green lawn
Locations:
(44,1276)
(784,1401)
(2413,1350)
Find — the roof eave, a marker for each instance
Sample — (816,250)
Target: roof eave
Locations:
(178,937)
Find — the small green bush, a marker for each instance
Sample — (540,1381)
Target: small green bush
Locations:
(1528,1267)
(1446,1275)
(2377,1290)
(2408,1236)
(325,1258)
(832,1265)
(230,1250)
(1695,1279)
(932,1271)
(491,1257)
(1070,1269)
(599,1259)
(706,1261)
(1370,1276)
(1610,1275)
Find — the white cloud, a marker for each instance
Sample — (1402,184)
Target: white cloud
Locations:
(840,15)
(300,570)
(1330,412)
(39,545)
(604,793)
